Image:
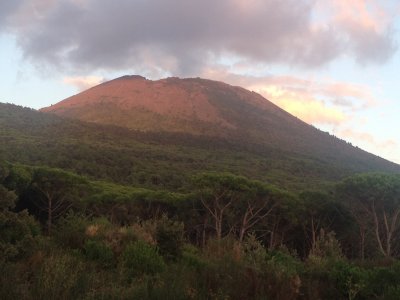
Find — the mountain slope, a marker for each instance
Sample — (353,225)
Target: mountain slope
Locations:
(167,160)
(209,108)
(137,103)
(195,106)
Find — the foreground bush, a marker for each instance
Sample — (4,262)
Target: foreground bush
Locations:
(98,251)
(140,258)
(61,276)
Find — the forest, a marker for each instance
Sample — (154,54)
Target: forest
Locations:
(100,212)
(65,236)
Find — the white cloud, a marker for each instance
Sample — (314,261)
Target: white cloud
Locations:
(386,148)
(83,82)
(318,102)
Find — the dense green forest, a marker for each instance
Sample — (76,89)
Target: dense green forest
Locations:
(65,236)
(101,212)
(164,160)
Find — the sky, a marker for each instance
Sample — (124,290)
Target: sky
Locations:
(331,63)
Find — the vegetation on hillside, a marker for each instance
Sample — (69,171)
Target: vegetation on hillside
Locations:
(101,212)
(166,160)
(229,238)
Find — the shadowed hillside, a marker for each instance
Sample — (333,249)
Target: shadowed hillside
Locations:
(213,109)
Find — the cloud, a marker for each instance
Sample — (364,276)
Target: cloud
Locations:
(354,96)
(333,105)
(83,83)
(180,37)
(7,9)
(385,148)
(367,138)
(315,101)
(304,106)
(366,24)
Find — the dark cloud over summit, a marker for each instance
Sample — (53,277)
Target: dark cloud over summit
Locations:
(182,37)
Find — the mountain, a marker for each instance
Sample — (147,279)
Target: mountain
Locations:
(110,133)
(136,187)
(203,107)
(195,106)
(132,101)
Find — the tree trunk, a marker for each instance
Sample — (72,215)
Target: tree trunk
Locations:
(49,216)
(204,233)
(362,243)
(313,234)
(218,226)
(377,235)
(243,228)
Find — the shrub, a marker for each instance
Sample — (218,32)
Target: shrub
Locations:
(12,282)
(18,232)
(327,246)
(169,236)
(392,293)
(191,257)
(177,283)
(140,258)
(385,281)
(282,275)
(254,253)
(99,252)
(70,230)
(60,277)
(350,280)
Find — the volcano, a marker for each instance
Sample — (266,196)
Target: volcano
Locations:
(201,107)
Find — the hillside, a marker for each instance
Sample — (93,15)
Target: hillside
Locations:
(200,107)
(137,103)
(193,106)
(166,160)
(166,211)
(156,160)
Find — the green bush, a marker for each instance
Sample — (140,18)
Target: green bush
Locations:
(191,257)
(169,236)
(98,251)
(255,254)
(350,280)
(282,275)
(12,282)
(61,277)
(70,230)
(7,199)
(385,281)
(392,293)
(326,246)
(140,258)
(176,283)
(328,278)
(18,232)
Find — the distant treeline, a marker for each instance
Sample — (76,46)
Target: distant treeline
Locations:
(161,160)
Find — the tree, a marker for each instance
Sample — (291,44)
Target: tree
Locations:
(235,203)
(17,229)
(374,201)
(319,212)
(57,190)
(217,192)
(18,178)
(286,216)
(257,203)
(4,170)
(7,199)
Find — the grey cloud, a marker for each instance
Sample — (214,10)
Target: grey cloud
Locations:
(181,37)
(7,8)
(372,47)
